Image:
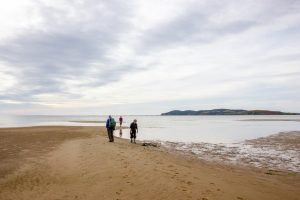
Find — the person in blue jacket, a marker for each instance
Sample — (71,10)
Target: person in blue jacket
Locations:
(110,126)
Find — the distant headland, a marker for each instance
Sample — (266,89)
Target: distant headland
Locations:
(227,112)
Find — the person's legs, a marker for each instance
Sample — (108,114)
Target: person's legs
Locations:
(134,136)
(108,133)
(131,136)
(112,135)
(120,132)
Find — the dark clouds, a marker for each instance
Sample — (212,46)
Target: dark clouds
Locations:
(65,47)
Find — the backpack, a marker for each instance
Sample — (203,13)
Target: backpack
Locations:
(112,123)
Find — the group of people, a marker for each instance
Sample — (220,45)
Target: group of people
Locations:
(111,126)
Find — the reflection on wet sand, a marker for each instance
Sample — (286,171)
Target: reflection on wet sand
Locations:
(120,131)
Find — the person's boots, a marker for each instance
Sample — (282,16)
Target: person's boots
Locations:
(131,140)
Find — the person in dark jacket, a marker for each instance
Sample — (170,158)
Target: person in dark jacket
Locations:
(133,130)
(121,120)
(110,129)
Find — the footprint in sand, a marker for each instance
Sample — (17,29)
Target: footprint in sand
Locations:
(207,192)
(240,198)
(189,183)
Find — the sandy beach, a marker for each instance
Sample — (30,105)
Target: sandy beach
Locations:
(78,163)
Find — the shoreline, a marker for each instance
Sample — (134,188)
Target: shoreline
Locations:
(78,163)
(269,120)
(239,154)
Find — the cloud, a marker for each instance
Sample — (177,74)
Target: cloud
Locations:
(205,23)
(98,54)
(191,29)
(66,47)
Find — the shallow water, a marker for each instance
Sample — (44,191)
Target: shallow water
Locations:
(211,129)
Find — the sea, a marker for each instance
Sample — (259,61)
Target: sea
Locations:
(188,129)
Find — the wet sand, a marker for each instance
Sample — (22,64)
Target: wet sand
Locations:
(277,152)
(79,163)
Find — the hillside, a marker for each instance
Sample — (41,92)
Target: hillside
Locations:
(227,112)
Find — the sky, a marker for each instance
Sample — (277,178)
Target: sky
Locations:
(148,56)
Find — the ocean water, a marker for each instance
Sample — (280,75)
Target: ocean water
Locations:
(210,129)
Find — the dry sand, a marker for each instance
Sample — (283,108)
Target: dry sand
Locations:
(79,163)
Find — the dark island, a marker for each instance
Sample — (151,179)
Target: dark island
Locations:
(227,112)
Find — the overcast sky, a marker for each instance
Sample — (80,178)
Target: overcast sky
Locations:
(148,56)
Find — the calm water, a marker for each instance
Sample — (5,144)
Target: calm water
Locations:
(212,129)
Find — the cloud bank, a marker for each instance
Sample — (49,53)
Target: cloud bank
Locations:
(137,57)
